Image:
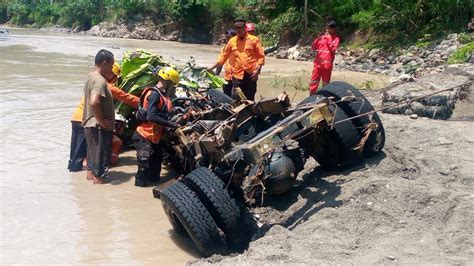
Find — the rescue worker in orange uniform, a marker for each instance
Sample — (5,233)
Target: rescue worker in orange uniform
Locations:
(119,94)
(78,149)
(325,47)
(249,58)
(78,142)
(228,65)
(153,117)
(127,98)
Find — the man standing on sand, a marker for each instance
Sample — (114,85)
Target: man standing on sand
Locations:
(99,117)
(325,47)
(249,58)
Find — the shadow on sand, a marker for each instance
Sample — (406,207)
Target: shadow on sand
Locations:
(318,192)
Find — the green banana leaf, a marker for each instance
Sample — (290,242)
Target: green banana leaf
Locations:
(133,60)
(139,70)
(217,82)
(136,89)
(188,84)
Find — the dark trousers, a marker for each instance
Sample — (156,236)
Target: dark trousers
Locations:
(149,159)
(78,147)
(99,150)
(247,85)
(228,88)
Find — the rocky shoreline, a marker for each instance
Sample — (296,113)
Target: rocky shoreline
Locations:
(142,30)
(413,60)
(410,62)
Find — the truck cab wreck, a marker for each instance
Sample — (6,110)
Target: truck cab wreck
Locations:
(234,153)
(231,153)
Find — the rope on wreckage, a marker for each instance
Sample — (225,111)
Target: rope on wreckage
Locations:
(373,125)
(255,182)
(402,102)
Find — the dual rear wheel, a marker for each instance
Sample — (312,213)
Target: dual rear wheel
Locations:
(335,149)
(200,207)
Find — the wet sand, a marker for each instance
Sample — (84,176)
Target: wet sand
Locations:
(49,215)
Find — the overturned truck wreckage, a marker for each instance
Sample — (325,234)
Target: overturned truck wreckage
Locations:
(234,154)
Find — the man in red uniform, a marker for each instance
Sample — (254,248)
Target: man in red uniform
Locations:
(325,47)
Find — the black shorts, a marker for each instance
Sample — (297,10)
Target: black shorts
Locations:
(99,150)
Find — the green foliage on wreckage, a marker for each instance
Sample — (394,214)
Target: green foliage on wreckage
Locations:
(140,69)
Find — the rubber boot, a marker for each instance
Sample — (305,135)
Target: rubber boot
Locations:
(141,183)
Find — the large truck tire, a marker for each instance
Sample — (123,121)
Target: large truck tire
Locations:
(211,190)
(311,99)
(333,149)
(338,152)
(360,105)
(187,213)
(218,97)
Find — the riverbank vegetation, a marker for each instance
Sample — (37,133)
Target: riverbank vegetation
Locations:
(384,22)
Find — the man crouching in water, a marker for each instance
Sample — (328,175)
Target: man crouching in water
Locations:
(153,116)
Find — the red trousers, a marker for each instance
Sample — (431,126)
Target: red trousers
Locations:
(318,74)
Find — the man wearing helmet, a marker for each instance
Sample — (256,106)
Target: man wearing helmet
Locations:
(250,28)
(126,98)
(153,116)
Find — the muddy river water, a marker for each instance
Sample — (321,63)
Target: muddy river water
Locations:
(49,215)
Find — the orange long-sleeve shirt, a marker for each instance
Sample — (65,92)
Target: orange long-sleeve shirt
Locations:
(117,93)
(120,95)
(228,66)
(246,53)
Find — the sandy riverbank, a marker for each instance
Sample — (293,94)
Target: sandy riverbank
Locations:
(411,204)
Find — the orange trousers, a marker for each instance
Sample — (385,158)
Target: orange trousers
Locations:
(116,147)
